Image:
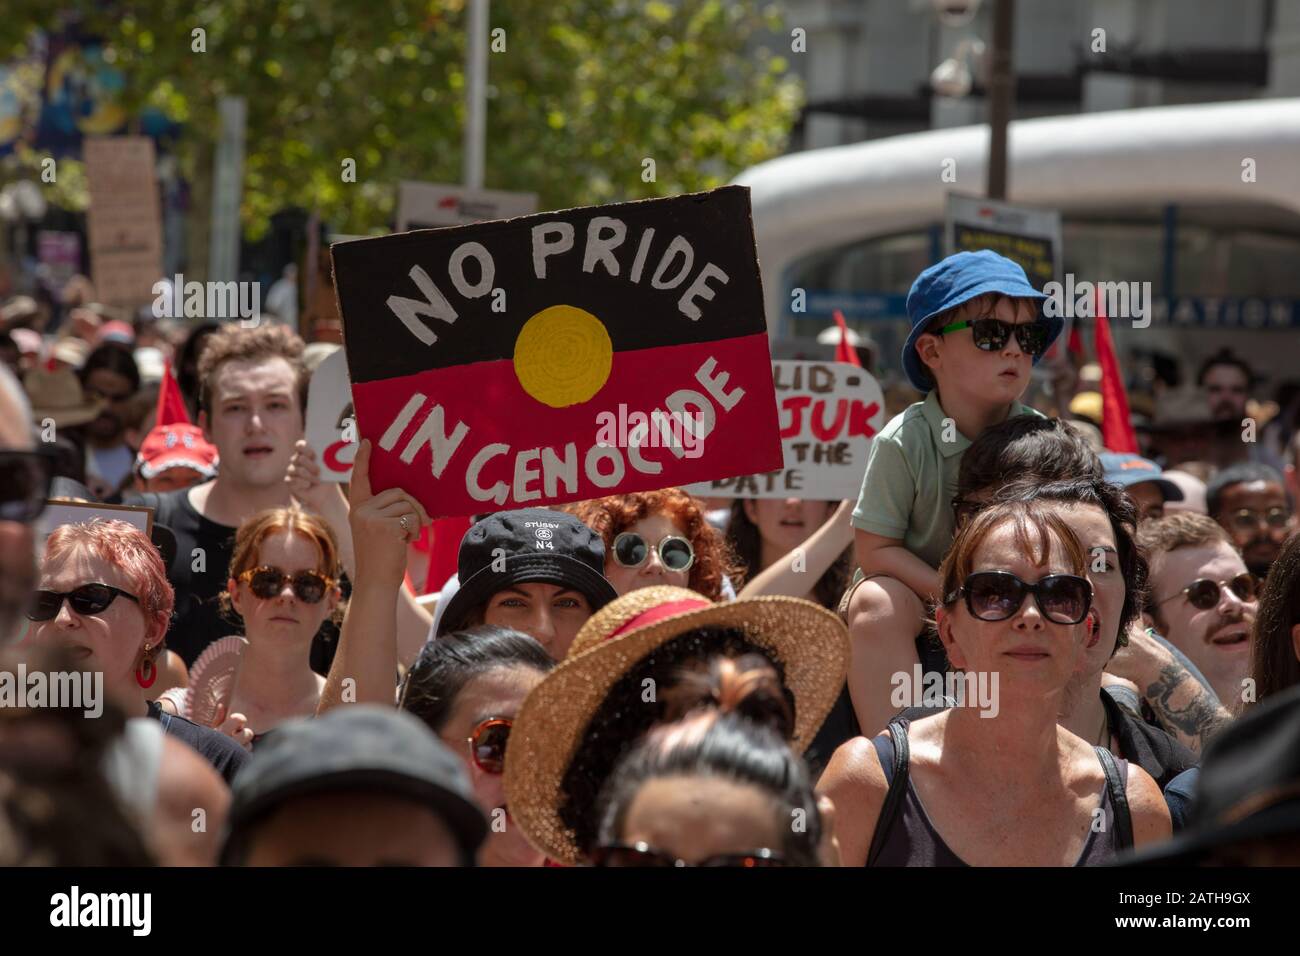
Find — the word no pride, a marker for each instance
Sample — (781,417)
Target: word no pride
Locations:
(604,235)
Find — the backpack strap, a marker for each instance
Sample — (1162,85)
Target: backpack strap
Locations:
(1118,800)
(897,790)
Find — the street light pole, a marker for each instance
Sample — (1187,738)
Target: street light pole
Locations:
(476,93)
(1001,96)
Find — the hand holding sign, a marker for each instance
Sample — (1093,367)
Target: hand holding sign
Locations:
(382,525)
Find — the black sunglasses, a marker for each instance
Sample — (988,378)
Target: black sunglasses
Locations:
(87,600)
(675,552)
(992,335)
(25,479)
(997,595)
(1204,594)
(644,855)
(267,583)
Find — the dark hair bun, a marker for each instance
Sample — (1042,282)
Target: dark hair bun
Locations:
(747,686)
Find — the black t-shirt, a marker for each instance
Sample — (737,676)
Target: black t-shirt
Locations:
(216,748)
(199,573)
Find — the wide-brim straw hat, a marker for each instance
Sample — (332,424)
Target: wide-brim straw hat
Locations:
(58,396)
(811,644)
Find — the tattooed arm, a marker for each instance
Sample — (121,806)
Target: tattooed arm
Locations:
(1185,707)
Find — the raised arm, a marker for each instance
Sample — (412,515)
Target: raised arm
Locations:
(366,661)
(819,552)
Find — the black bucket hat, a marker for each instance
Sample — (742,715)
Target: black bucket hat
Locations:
(1249,785)
(529,544)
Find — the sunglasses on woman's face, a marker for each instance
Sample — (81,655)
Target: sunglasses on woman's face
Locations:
(644,855)
(25,478)
(675,552)
(998,595)
(487,744)
(87,600)
(1204,594)
(267,583)
(992,335)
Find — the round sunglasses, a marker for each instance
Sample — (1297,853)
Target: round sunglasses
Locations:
(992,335)
(87,600)
(487,744)
(267,583)
(1245,519)
(1204,594)
(675,552)
(998,595)
(644,855)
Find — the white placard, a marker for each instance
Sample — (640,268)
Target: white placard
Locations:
(431,205)
(331,428)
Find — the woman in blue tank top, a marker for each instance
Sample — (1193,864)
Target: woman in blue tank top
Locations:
(996,781)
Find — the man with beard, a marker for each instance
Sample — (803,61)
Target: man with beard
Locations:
(1226,380)
(1201,598)
(24,485)
(1250,502)
(110,375)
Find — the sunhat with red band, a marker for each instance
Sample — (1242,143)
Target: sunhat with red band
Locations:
(811,644)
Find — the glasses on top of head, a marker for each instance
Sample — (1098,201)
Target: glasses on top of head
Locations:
(266,583)
(992,335)
(487,744)
(1204,594)
(675,552)
(644,855)
(87,600)
(998,595)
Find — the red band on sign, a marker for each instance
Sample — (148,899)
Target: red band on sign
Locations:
(658,613)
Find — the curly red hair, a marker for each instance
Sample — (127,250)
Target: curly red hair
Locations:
(612,515)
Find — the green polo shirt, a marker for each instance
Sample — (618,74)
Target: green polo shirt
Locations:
(911,479)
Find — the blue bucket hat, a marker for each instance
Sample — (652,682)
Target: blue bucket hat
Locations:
(953,282)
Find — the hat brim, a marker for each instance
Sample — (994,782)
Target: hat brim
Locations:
(167,464)
(1168,490)
(915,369)
(1194,845)
(464,818)
(811,643)
(521,569)
(68,417)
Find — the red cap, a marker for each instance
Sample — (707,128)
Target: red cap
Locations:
(176,446)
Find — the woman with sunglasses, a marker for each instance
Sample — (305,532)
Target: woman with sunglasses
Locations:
(659,537)
(716,788)
(1000,785)
(103,596)
(283,585)
(467,687)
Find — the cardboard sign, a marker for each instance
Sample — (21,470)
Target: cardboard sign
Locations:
(829,413)
(124,221)
(331,428)
(58,513)
(1026,235)
(561,356)
(429,205)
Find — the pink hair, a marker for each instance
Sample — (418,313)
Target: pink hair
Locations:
(126,548)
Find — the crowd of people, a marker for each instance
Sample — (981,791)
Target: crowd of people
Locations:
(1015,647)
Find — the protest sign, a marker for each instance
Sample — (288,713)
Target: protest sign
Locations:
(561,356)
(124,220)
(58,513)
(829,412)
(331,429)
(1026,235)
(429,205)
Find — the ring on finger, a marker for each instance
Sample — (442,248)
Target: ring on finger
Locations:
(404,522)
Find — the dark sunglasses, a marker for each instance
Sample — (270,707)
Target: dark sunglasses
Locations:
(1244,519)
(267,583)
(992,335)
(997,595)
(644,855)
(487,744)
(25,479)
(1204,594)
(675,552)
(87,600)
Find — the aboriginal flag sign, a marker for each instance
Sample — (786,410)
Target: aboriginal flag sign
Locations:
(561,356)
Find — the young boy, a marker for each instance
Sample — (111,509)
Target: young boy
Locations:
(976,330)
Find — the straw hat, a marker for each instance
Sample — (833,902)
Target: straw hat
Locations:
(58,396)
(811,644)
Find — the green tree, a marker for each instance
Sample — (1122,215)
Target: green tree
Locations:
(583,93)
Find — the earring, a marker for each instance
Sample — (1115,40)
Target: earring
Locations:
(146,673)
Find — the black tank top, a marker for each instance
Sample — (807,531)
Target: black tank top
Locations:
(912,839)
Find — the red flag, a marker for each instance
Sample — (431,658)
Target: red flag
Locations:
(844,352)
(1116,424)
(447,533)
(171,404)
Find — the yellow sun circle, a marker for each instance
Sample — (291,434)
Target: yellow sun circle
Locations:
(563,356)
